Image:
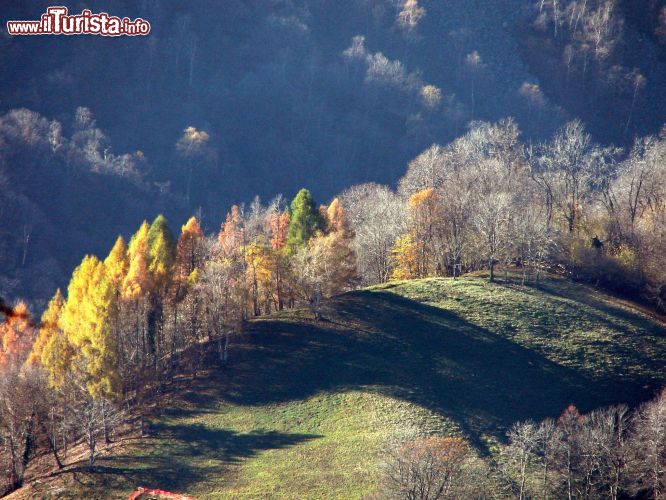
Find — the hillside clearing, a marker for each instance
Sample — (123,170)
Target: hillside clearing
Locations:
(305,408)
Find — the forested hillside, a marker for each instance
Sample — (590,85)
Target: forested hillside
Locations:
(225,101)
(351,218)
(314,409)
(163,305)
(62,191)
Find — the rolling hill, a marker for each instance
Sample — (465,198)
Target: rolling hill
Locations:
(305,408)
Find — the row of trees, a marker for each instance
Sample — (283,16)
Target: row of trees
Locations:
(609,453)
(147,302)
(147,312)
(131,322)
(567,204)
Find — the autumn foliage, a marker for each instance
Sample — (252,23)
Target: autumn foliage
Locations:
(16,336)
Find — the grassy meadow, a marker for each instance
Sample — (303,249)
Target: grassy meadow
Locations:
(305,408)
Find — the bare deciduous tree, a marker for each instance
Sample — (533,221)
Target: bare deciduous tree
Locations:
(611,432)
(520,456)
(492,221)
(376,215)
(430,468)
(411,14)
(649,442)
(19,411)
(563,169)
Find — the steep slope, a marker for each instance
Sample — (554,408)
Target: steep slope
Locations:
(305,408)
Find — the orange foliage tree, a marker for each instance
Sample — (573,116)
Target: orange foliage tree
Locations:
(424,216)
(189,249)
(16,336)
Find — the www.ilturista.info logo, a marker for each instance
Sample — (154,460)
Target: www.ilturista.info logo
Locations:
(56,21)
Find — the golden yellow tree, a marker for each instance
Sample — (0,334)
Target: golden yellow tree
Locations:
(424,215)
(49,326)
(51,349)
(116,264)
(405,258)
(116,267)
(261,266)
(137,280)
(161,254)
(85,321)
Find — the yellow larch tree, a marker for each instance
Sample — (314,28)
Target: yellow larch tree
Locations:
(137,281)
(161,254)
(261,262)
(85,321)
(405,258)
(49,326)
(189,250)
(116,264)
(424,215)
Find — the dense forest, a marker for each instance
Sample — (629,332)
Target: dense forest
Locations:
(285,94)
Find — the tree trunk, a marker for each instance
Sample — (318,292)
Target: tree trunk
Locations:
(142,424)
(91,449)
(189,182)
(27,446)
(52,439)
(105,425)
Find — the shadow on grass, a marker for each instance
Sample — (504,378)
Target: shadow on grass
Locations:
(368,340)
(383,342)
(640,317)
(182,456)
(637,337)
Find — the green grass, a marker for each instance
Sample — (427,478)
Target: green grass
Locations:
(305,408)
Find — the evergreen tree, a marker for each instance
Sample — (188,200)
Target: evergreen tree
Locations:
(305,221)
